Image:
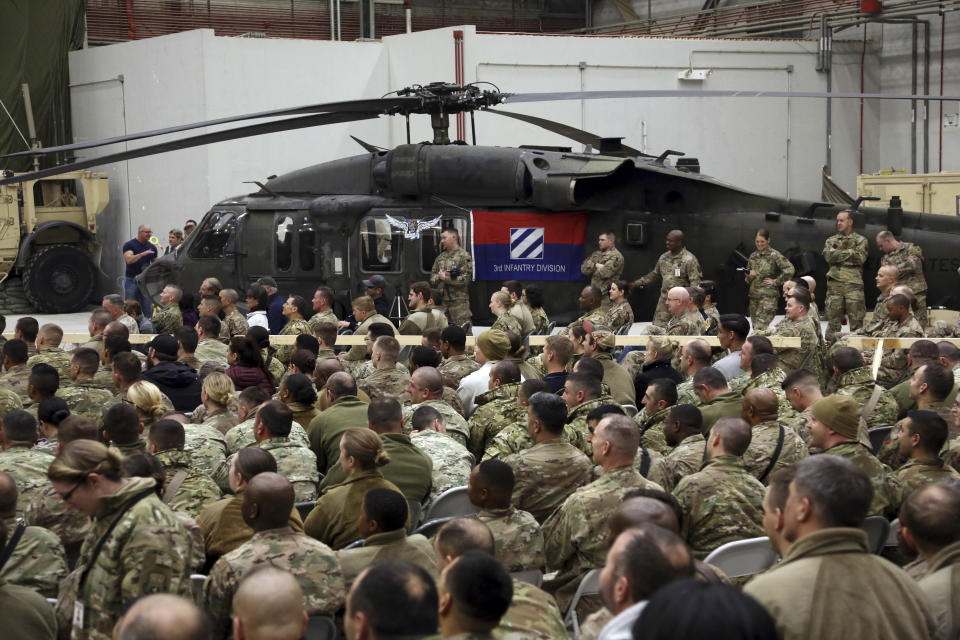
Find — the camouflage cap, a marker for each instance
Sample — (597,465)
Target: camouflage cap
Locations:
(605,338)
(494,344)
(840,413)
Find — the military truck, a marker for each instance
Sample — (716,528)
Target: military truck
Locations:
(48,237)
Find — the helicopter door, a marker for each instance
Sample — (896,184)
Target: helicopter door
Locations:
(290,256)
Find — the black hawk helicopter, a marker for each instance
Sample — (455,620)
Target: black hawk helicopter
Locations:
(340,222)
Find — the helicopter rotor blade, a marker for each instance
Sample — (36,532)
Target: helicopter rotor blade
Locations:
(275,126)
(375,106)
(510,98)
(565,130)
(372,148)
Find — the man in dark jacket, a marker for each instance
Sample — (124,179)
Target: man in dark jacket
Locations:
(275,317)
(177,380)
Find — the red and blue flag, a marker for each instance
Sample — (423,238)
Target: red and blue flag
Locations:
(528,246)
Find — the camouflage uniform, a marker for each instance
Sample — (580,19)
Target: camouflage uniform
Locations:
(56,358)
(38,561)
(513,438)
(15,379)
(721,503)
(764,298)
(858,383)
(521,313)
(48,510)
(681,269)
(384,382)
(196,490)
(772,380)
(292,328)
(908,259)
(127,320)
(879,317)
(620,315)
(763,444)
(275,368)
(893,364)
(546,474)
(596,316)
(685,394)
(457,427)
(799,425)
(517,537)
(104,379)
(791,358)
(845,254)
(210,350)
(148,551)
(575,536)
(496,409)
(951,454)
(87,398)
(533,614)
(577,423)
(683,460)
(95,343)
(321,317)
(456,368)
(28,468)
(917,473)
(222,420)
(358,352)
(241,436)
(889,452)
(506,322)
(611,261)
(312,563)
(10,401)
(233,324)
(191,361)
(418,321)
(651,430)
(452,463)
(206,447)
(455,290)
(167,319)
(540,319)
(296,463)
(886,486)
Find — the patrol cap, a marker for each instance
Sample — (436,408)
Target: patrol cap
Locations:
(606,340)
(840,413)
(375,281)
(494,344)
(267,281)
(165,344)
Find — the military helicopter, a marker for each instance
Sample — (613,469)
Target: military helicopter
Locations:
(340,222)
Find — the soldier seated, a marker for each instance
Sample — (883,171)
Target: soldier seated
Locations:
(269,605)
(517,536)
(391,599)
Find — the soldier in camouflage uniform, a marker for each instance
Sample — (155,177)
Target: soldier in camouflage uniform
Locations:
(168,319)
(582,393)
(619,311)
(604,266)
(16,372)
(386,379)
(900,324)
(908,260)
(84,395)
(589,301)
(186,489)
(683,321)
(928,389)
(676,267)
(141,546)
(767,270)
(834,426)
(452,272)
(722,502)
(886,279)
(26,465)
(505,321)
(451,460)
(658,400)
(575,536)
(38,560)
(296,463)
(49,351)
(922,435)
(682,432)
(234,323)
(456,364)
(496,408)
(426,389)
(845,252)
(267,501)
(773,445)
(294,310)
(797,324)
(209,347)
(206,447)
(858,383)
(10,401)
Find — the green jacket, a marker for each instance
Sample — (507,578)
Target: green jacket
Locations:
(333,520)
(725,405)
(409,468)
(389,545)
(942,586)
(325,430)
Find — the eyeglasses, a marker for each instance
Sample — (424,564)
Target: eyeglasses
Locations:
(69,494)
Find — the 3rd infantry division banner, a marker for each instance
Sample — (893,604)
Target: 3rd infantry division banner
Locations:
(528,246)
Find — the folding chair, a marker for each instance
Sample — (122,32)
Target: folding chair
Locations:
(429,528)
(321,628)
(304,509)
(743,557)
(879,435)
(197,581)
(452,502)
(355,544)
(630,409)
(533,576)
(878,531)
(589,586)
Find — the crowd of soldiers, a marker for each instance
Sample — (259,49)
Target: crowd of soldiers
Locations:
(293,477)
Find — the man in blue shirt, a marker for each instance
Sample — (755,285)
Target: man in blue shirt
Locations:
(138,254)
(275,317)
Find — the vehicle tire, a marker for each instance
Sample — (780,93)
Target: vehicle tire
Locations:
(59,279)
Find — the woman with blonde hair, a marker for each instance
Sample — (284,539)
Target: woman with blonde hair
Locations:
(149,401)
(333,520)
(218,396)
(135,545)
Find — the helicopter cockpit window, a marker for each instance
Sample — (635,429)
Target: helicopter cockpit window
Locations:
(430,240)
(216,236)
(283,235)
(307,246)
(381,246)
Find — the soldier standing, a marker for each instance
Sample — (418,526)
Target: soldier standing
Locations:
(908,259)
(767,270)
(845,252)
(604,265)
(676,267)
(452,272)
